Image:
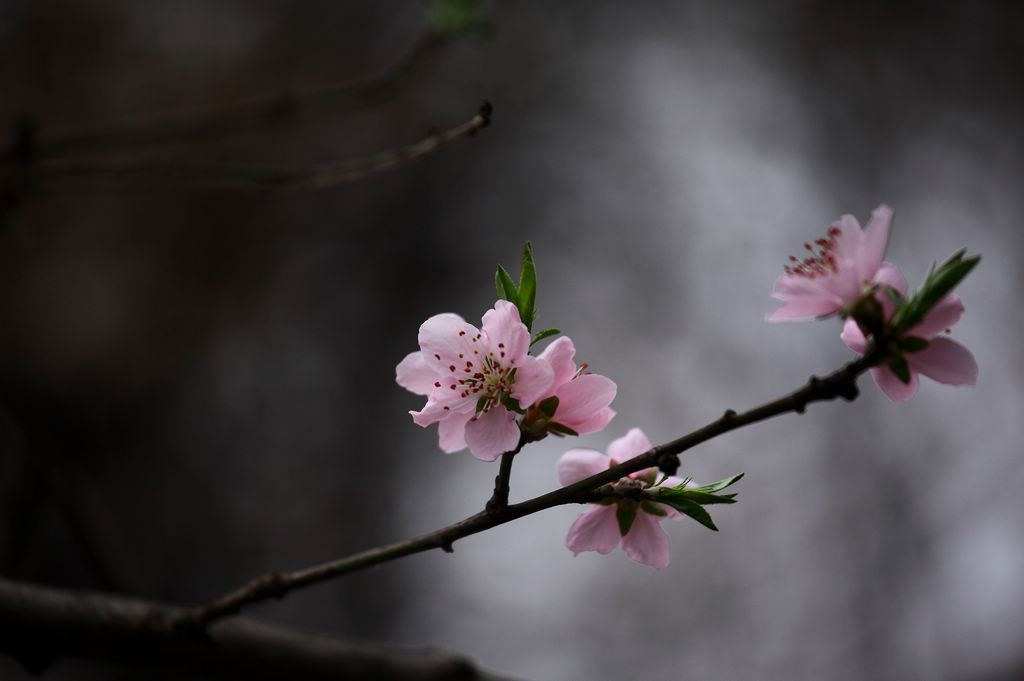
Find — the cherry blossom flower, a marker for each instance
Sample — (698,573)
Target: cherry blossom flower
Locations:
(598,528)
(583,397)
(837,270)
(468,376)
(941,360)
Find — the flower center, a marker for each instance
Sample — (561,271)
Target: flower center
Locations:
(483,376)
(822,260)
(491,382)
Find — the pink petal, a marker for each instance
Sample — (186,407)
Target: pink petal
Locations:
(802,298)
(803,309)
(850,236)
(442,402)
(583,402)
(889,275)
(853,336)
(534,379)
(646,542)
(945,361)
(413,374)
(945,314)
(451,433)
(595,422)
(895,389)
(492,433)
(503,327)
(560,356)
(595,530)
(629,445)
(443,337)
(580,464)
(872,246)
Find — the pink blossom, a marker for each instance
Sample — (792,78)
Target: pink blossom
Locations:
(598,528)
(836,271)
(583,397)
(468,374)
(942,360)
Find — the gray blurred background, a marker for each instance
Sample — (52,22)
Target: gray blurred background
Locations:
(197,384)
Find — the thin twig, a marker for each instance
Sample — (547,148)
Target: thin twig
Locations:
(841,383)
(248,177)
(499,499)
(226,119)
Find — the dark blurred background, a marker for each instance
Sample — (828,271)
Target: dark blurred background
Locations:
(197,382)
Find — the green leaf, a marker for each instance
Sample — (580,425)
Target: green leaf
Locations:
(481,403)
(714,486)
(541,335)
(900,368)
(506,287)
(896,297)
(626,514)
(941,280)
(704,498)
(527,287)
(692,509)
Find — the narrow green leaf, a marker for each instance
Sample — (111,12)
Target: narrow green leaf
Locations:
(541,335)
(481,403)
(626,514)
(694,510)
(896,297)
(506,287)
(940,281)
(527,287)
(704,498)
(715,486)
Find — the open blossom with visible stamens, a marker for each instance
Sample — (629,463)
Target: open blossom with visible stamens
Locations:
(598,528)
(468,374)
(836,271)
(942,360)
(583,397)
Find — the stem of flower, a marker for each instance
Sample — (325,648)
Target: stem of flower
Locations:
(841,383)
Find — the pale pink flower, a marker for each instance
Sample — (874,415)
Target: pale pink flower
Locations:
(836,271)
(943,360)
(468,373)
(583,397)
(598,528)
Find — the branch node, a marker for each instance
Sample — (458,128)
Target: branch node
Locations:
(729,415)
(667,463)
(446,545)
(848,390)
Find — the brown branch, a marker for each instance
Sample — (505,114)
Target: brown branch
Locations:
(841,383)
(240,176)
(263,109)
(39,625)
